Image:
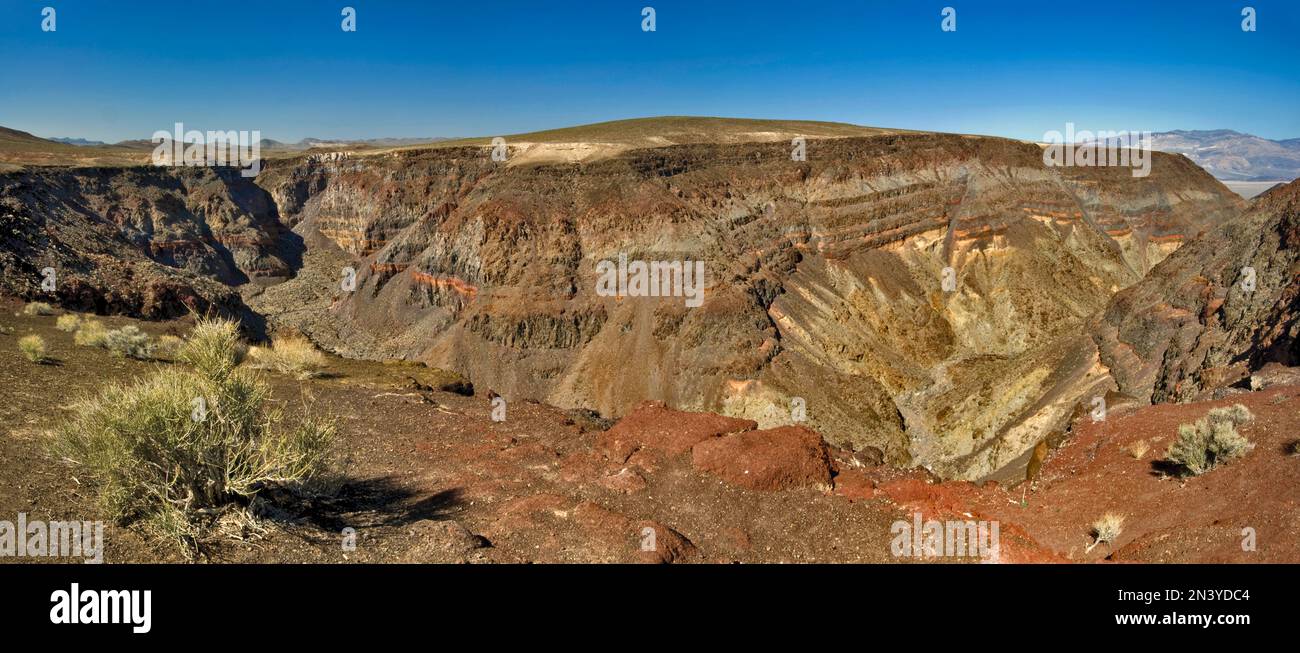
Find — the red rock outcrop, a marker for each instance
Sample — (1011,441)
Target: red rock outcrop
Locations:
(654,427)
(773,459)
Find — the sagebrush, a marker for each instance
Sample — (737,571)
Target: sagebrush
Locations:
(186,445)
(129,341)
(1210,441)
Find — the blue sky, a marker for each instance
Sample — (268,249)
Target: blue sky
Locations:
(117,70)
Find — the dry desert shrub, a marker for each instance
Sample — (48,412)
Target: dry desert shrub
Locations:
(129,341)
(38,308)
(1138,448)
(168,347)
(68,322)
(294,355)
(1106,529)
(1211,441)
(90,333)
(213,348)
(185,448)
(33,348)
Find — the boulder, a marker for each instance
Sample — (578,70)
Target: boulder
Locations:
(654,426)
(773,459)
(659,544)
(625,481)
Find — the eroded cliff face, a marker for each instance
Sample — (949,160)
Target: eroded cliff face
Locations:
(1214,311)
(146,241)
(824,279)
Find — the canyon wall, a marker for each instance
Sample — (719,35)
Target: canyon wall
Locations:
(1214,311)
(824,279)
(145,241)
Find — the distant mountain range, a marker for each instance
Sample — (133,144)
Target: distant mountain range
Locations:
(76,141)
(1234,156)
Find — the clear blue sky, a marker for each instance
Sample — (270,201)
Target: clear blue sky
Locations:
(123,69)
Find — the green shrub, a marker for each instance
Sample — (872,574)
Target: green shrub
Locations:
(1211,441)
(33,347)
(91,333)
(38,308)
(213,348)
(129,341)
(69,322)
(183,446)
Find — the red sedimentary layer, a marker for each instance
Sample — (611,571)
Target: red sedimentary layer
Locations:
(390,268)
(458,286)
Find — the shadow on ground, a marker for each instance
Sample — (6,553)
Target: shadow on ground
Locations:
(362,503)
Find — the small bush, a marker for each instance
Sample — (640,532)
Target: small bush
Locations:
(33,347)
(68,322)
(1211,441)
(38,308)
(91,333)
(294,355)
(1138,448)
(1106,529)
(181,448)
(168,347)
(213,348)
(129,341)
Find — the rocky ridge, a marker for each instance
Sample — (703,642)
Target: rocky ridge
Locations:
(825,278)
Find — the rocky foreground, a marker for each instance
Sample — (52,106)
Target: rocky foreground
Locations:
(428,476)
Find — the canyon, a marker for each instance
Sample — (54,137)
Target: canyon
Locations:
(824,278)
